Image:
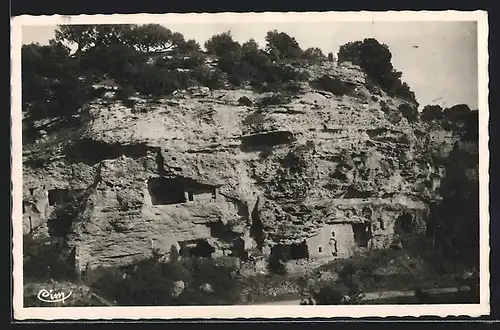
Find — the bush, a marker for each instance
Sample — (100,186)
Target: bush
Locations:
(222,44)
(276,265)
(150,282)
(431,112)
(44,259)
(409,112)
(280,46)
(330,294)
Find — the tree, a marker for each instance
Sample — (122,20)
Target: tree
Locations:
(431,112)
(375,59)
(280,45)
(189,47)
(154,38)
(251,46)
(221,44)
(51,81)
(314,54)
(456,216)
(87,36)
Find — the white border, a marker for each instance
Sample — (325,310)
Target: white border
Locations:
(269,311)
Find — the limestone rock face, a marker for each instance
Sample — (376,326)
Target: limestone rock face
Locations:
(212,176)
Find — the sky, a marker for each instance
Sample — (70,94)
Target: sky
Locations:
(439,60)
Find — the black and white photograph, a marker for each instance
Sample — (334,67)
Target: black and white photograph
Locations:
(250,165)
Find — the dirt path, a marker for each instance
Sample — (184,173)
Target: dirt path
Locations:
(369,296)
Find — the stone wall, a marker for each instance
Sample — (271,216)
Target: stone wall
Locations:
(322,246)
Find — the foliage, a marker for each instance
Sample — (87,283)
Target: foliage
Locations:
(276,265)
(409,112)
(431,112)
(330,294)
(51,87)
(281,46)
(375,59)
(150,282)
(314,54)
(44,259)
(221,44)
(454,221)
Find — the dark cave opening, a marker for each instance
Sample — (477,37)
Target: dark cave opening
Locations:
(361,234)
(299,251)
(266,139)
(196,248)
(59,197)
(404,223)
(355,193)
(257,228)
(165,191)
(286,252)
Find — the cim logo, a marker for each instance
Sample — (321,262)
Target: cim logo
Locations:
(52,296)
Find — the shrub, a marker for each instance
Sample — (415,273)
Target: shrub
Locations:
(314,54)
(409,112)
(213,79)
(276,265)
(330,294)
(125,93)
(222,44)
(44,259)
(150,282)
(280,46)
(431,112)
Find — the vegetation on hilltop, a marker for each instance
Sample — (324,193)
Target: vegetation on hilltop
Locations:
(153,61)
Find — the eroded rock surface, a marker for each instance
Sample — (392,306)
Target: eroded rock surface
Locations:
(209,175)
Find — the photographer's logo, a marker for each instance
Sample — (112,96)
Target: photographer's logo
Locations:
(52,296)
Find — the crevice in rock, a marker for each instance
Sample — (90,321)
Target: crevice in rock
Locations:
(257,228)
(160,162)
(352,192)
(91,152)
(254,142)
(404,223)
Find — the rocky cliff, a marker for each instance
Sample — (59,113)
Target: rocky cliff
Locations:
(217,173)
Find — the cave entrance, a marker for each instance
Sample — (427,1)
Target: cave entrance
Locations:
(280,252)
(286,252)
(352,192)
(59,197)
(404,223)
(257,227)
(361,234)
(299,251)
(196,248)
(165,191)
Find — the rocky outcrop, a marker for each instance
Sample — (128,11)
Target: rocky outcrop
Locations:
(208,174)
